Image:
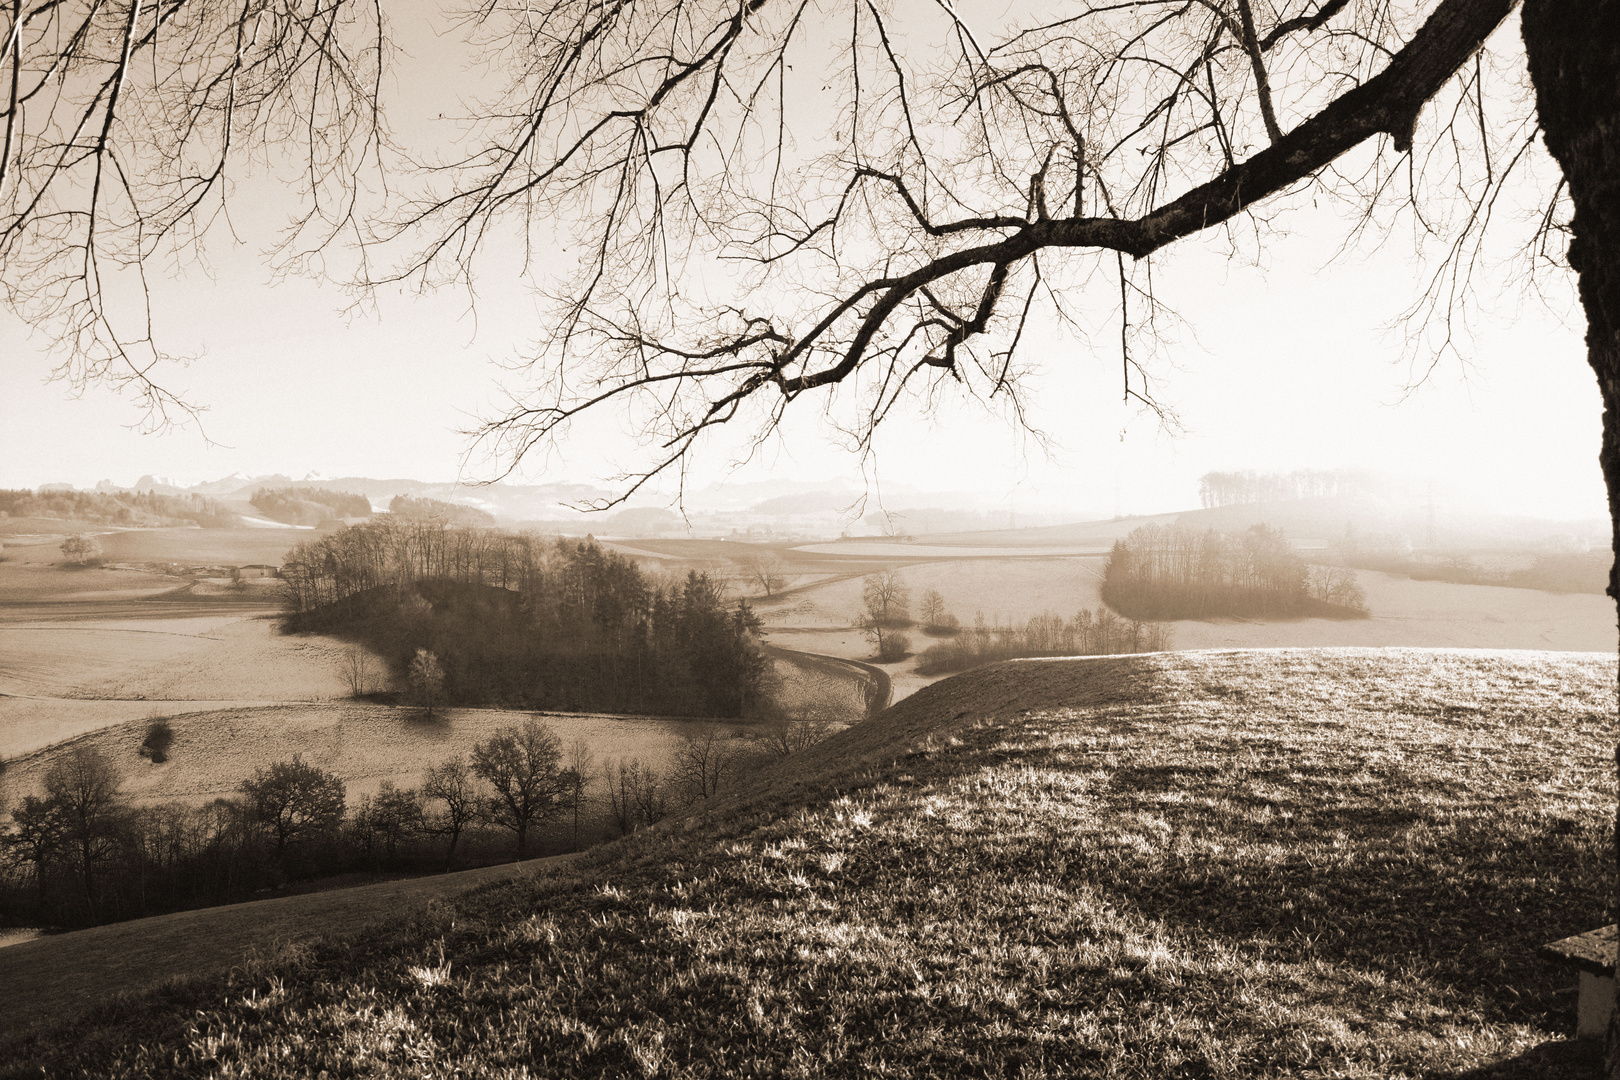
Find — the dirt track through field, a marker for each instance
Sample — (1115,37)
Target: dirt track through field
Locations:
(65,975)
(867,675)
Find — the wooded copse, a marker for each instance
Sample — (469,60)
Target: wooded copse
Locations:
(519,619)
(309,506)
(1177,572)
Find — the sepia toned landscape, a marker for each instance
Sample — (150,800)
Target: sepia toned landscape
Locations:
(1236,752)
(700,539)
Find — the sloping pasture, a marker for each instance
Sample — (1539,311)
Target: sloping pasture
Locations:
(1301,863)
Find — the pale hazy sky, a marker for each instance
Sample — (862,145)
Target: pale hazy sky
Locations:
(1291,365)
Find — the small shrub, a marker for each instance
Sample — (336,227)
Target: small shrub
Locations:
(159,736)
(82,550)
(894,647)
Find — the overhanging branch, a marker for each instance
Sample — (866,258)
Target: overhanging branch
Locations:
(1388,103)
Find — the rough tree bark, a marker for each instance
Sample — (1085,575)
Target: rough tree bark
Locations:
(1574,52)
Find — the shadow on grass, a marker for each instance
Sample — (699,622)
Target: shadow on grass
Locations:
(1437,889)
(1558,1059)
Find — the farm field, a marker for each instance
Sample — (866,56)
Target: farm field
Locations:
(29,724)
(891,550)
(181,659)
(91,656)
(235,547)
(215,751)
(1405,612)
(117,645)
(1292,864)
(85,648)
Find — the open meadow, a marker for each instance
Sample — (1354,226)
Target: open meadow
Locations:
(1297,863)
(87,647)
(1012,588)
(214,751)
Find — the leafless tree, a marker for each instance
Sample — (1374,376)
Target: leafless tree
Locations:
(293,801)
(81,549)
(426,676)
(636,795)
(933,609)
(766,571)
(886,598)
(703,761)
(82,786)
(124,126)
(357,670)
(450,783)
(969,180)
(392,813)
(521,764)
(580,763)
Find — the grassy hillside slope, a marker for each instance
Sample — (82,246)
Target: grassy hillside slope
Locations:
(61,976)
(1293,863)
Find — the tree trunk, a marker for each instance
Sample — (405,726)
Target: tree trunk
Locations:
(1574,52)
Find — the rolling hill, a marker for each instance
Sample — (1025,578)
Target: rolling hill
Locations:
(1222,864)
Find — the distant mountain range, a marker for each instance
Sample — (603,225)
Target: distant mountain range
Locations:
(819,510)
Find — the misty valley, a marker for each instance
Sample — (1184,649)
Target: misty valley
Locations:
(298,695)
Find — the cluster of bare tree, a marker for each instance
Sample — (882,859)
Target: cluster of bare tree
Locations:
(1242,488)
(519,619)
(400,551)
(1176,572)
(706,762)
(81,854)
(1088,633)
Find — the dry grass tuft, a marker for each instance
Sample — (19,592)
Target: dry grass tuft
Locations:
(1291,864)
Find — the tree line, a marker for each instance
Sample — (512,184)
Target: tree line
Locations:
(1177,572)
(132,508)
(1242,488)
(1563,572)
(518,619)
(1087,633)
(80,854)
